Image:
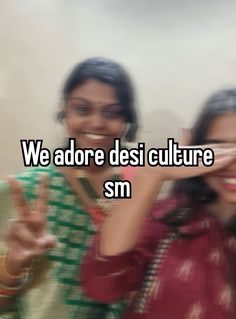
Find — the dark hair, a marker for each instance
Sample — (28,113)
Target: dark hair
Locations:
(195,191)
(110,72)
(221,102)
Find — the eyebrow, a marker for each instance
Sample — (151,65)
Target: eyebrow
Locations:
(79,98)
(89,101)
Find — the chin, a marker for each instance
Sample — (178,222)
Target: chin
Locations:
(229,198)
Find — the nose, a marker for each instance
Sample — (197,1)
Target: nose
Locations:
(97,121)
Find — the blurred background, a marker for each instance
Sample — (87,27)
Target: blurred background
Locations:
(177,53)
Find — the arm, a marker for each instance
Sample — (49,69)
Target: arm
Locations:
(122,227)
(110,278)
(117,261)
(126,221)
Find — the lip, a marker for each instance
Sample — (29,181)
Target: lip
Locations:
(228,182)
(95,139)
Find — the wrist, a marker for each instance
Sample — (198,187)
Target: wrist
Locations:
(147,183)
(11,289)
(14,271)
(17,263)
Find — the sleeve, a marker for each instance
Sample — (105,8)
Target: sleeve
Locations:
(107,279)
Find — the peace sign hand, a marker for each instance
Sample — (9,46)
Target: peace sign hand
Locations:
(27,236)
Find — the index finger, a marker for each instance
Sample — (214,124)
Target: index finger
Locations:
(42,199)
(17,192)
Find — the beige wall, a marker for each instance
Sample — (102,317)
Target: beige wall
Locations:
(177,53)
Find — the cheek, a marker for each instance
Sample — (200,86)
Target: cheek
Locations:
(212,182)
(216,184)
(117,128)
(72,123)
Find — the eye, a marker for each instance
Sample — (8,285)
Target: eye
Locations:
(82,109)
(113,113)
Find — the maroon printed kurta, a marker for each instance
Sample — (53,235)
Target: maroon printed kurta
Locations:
(169,276)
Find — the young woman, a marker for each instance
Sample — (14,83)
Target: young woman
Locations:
(55,218)
(177,262)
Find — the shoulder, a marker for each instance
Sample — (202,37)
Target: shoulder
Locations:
(177,212)
(154,227)
(160,210)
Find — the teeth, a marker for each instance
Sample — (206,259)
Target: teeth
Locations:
(230,180)
(95,137)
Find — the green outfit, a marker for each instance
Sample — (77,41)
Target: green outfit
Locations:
(55,290)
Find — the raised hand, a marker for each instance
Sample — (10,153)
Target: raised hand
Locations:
(27,236)
(224,154)
(126,220)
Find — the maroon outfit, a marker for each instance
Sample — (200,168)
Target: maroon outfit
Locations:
(169,276)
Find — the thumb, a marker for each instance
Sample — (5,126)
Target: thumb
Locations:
(47,241)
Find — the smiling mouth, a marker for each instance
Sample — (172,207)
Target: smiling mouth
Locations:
(95,137)
(230,180)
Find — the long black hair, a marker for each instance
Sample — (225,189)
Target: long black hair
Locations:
(109,72)
(194,191)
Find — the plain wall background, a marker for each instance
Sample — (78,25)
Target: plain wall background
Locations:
(177,53)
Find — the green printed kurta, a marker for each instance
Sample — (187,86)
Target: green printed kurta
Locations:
(55,290)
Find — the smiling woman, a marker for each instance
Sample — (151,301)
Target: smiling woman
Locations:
(98,106)
(96,120)
(176,259)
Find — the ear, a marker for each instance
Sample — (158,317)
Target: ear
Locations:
(130,133)
(127,128)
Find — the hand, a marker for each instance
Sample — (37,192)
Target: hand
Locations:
(224,154)
(27,236)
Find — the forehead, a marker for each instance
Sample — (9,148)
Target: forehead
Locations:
(223,128)
(95,92)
